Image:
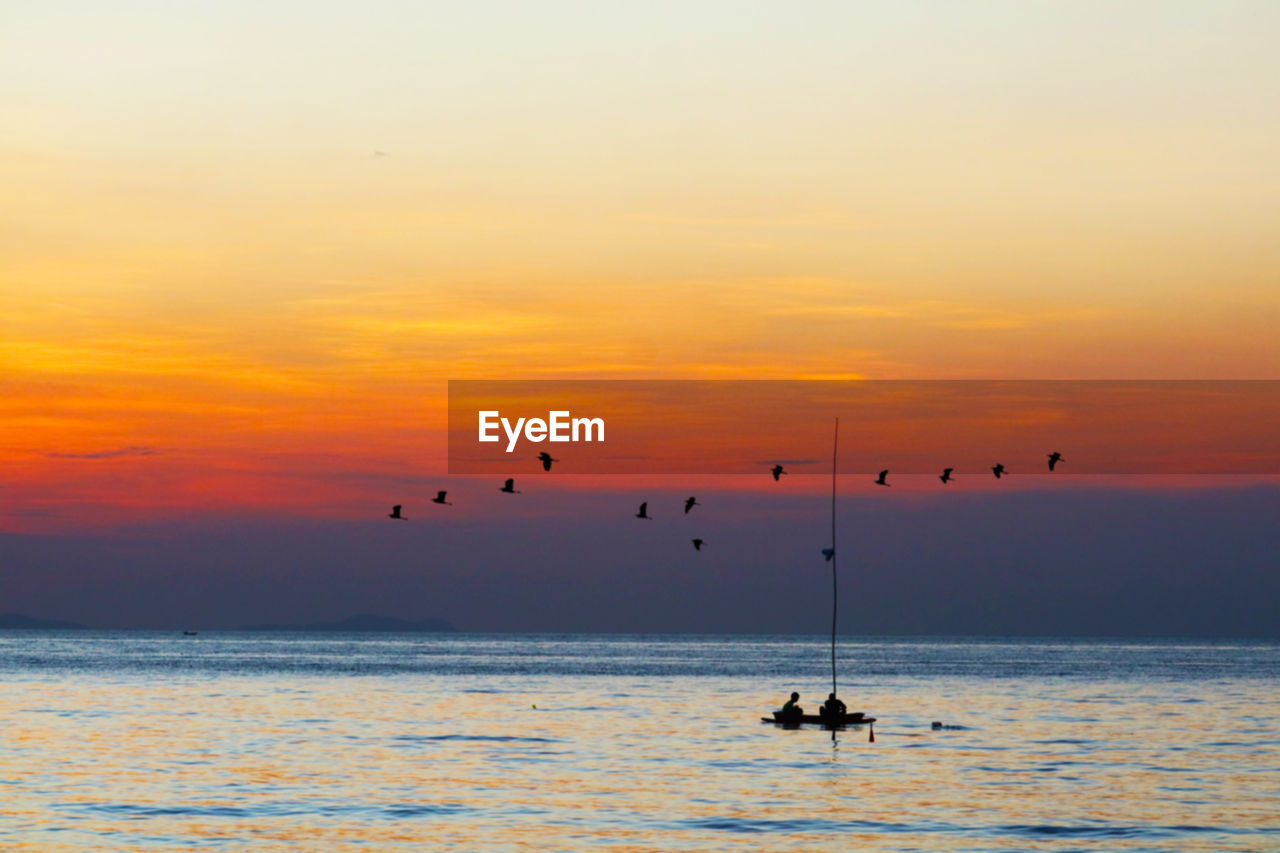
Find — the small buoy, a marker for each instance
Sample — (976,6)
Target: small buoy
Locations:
(535,707)
(872,739)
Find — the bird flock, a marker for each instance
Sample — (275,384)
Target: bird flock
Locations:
(508,487)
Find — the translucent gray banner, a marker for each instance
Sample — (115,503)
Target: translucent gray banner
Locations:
(907,427)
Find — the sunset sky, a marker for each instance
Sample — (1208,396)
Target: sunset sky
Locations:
(244,245)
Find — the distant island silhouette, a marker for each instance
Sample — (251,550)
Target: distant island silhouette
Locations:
(363,622)
(17,620)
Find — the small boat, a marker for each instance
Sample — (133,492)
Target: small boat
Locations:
(854,719)
(190,633)
(833,721)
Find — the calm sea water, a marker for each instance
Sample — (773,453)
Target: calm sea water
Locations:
(242,741)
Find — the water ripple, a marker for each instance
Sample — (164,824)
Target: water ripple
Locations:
(264,744)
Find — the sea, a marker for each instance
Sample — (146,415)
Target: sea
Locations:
(271,741)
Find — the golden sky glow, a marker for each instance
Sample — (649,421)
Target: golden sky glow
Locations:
(238,231)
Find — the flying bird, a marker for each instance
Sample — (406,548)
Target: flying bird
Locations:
(880,480)
(510,487)
(946,475)
(829,554)
(644,511)
(395,513)
(689,504)
(439,499)
(777,471)
(1054,458)
(998,470)
(697,544)
(546,460)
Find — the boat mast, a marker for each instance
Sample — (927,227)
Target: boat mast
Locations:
(835,444)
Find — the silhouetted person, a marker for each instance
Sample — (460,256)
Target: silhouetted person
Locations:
(644,511)
(946,475)
(395,513)
(791,710)
(1054,458)
(880,480)
(509,487)
(697,544)
(546,460)
(833,708)
(439,499)
(998,470)
(777,472)
(829,554)
(690,503)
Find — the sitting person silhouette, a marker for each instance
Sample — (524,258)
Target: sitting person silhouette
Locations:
(791,709)
(832,708)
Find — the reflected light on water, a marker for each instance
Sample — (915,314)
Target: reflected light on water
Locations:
(108,750)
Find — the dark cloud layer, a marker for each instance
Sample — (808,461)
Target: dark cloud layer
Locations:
(1079,562)
(132,450)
